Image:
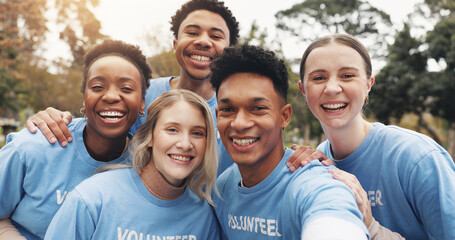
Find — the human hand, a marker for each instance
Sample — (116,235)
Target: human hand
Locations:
(304,155)
(53,124)
(361,196)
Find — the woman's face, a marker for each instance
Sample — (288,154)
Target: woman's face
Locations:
(112,97)
(179,141)
(335,84)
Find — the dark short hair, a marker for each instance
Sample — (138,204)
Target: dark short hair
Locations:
(214,6)
(250,59)
(129,52)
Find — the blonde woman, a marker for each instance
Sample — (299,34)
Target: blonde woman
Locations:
(167,192)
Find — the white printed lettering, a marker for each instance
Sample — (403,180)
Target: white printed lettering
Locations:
(375,198)
(378,197)
(268,227)
(120,235)
(60,198)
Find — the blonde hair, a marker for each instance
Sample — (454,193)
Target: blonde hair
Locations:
(202,180)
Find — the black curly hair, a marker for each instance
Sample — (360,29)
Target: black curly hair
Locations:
(130,52)
(214,6)
(250,59)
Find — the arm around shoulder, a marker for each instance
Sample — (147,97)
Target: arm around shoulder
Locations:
(378,232)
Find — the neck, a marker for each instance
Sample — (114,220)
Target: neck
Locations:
(253,174)
(105,149)
(202,88)
(344,141)
(157,184)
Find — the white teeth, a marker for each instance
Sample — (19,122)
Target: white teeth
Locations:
(111,114)
(334,106)
(180,158)
(200,58)
(244,142)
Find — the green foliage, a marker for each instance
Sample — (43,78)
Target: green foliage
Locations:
(321,17)
(23,79)
(396,86)
(164,64)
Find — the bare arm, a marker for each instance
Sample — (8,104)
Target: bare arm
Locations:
(53,124)
(377,232)
(8,231)
(303,155)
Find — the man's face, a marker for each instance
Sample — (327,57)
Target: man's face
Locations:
(250,117)
(202,36)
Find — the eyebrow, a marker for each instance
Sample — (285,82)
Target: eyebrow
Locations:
(179,124)
(254,100)
(341,69)
(215,29)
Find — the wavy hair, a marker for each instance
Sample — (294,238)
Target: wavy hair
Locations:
(202,180)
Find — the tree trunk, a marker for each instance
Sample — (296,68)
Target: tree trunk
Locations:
(451,140)
(428,128)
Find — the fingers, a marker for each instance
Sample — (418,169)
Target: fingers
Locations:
(31,126)
(52,125)
(361,196)
(302,156)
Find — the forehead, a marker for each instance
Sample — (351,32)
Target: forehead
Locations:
(111,63)
(114,69)
(243,88)
(182,112)
(205,18)
(340,56)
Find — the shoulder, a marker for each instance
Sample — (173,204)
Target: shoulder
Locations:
(405,141)
(29,144)
(159,82)
(104,182)
(228,177)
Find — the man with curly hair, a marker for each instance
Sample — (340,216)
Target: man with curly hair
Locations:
(260,197)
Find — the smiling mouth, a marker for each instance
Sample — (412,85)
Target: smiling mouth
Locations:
(337,107)
(111,115)
(180,157)
(244,141)
(200,58)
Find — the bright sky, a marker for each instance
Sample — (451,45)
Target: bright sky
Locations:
(128,20)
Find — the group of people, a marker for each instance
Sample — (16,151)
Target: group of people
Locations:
(201,155)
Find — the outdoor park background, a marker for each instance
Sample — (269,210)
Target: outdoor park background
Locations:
(412,43)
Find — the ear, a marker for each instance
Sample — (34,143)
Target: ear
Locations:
(370,84)
(142,110)
(150,144)
(286,113)
(301,88)
(174,44)
(216,112)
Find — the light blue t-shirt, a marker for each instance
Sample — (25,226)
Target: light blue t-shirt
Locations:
(280,206)
(409,179)
(159,86)
(117,205)
(36,176)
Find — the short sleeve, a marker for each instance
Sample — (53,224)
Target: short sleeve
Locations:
(430,192)
(72,221)
(12,174)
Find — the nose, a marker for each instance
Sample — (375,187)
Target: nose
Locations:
(241,121)
(111,95)
(203,40)
(184,143)
(332,86)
